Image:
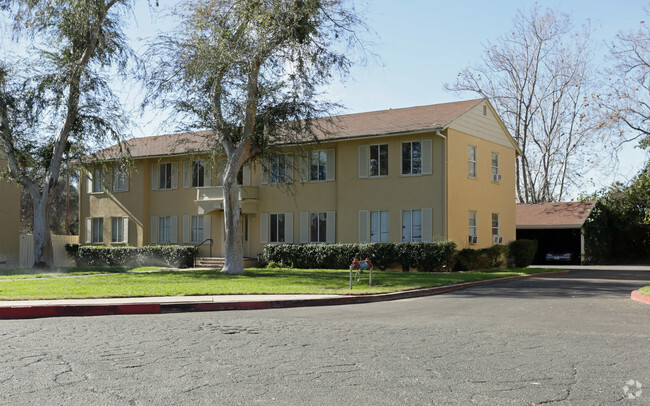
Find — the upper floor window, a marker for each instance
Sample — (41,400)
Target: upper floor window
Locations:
(378,165)
(318,165)
(120,179)
(98,180)
(379,226)
(277,227)
(411,158)
(278,169)
(471,161)
(198,174)
(165,176)
(496,177)
(411,225)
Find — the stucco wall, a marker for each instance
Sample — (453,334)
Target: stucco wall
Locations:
(10,221)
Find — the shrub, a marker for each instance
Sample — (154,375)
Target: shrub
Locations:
(523,252)
(422,256)
(486,258)
(178,256)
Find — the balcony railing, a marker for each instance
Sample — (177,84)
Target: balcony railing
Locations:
(211,199)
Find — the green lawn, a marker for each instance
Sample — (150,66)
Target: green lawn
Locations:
(29,273)
(123,282)
(645,291)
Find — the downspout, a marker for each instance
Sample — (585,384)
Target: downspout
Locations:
(444,185)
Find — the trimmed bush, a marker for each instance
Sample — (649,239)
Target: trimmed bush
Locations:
(523,252)
(177,256)
(423,256)
(486,258)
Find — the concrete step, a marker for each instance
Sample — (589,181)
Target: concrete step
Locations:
(210,262)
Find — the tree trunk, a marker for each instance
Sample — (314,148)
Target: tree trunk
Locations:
(43,255)
(234,254)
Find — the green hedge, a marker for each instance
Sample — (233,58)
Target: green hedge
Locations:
(177,256)
(423,256)
(486,258)
(523,252)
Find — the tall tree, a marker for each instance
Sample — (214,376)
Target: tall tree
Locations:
(56,92)
(628,98)
(250,70)
(538,76)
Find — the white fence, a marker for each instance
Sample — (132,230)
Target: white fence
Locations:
(58,247)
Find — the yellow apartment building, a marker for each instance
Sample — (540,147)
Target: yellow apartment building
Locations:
(427,173)
(10,220)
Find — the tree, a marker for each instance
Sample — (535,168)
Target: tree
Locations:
(57,92)
(250,70)
(628,100)
(538,76)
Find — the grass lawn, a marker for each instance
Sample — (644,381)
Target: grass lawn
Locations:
(29,273)
(645,291)
(123,282)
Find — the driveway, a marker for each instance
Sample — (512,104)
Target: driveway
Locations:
(573,339)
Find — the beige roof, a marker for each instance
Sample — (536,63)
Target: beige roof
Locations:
(375,123)
(553,215)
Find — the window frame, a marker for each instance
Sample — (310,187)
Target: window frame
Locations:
(381,163)
(120,179)
(97,230)
(277,231)
(97,181)
(165,175)
(379,218)
(320,156)
(197,229)
(412,226)
(472,162)
(164,229)
(197,168)
(319,229)
(411,158)
(472,229)
(278,169)
(495,220)
(115,236)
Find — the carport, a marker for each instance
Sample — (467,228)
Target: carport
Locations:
(557,227)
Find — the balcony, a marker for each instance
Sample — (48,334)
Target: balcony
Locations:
(211,199)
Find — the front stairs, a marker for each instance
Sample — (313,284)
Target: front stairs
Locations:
(219,262)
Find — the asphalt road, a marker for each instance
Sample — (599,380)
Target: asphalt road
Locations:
(574,339)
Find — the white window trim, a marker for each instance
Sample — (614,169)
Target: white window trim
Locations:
(378,156)
(475,162)
(411,232)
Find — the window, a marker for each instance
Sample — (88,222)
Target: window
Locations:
(118,233)
(378,160)
(495,224)
(165,176)
(278,169)
(120,180)
(379,226)
(198,174)
(318,165)
(411,158)
(411,225)
(97,227)
(318,232)
(471,161)
(277,227)
(197,229)
(98,180)
(472,223)
(164,229)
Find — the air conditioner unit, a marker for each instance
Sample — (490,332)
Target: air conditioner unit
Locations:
(473,239)
(498,239)
(496,177)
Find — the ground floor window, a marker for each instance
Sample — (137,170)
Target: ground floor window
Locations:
(411,225)
(97,230)
(197,229)
(318,231)
(277,227)
(117,229)
(164,229)
(379,226)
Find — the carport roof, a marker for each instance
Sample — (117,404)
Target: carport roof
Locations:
(553,215)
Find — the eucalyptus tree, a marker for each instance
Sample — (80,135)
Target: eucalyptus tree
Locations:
(250,71)
(540,80)
(57,91)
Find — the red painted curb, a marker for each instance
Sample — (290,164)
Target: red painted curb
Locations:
(31,312)
(636,295)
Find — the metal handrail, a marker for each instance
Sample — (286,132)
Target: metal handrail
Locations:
(197,248)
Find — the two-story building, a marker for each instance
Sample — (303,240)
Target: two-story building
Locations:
(427,173)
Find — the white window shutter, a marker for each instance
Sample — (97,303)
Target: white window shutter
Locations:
(154,229)
(364,229)
(304,167)
(288,227)
(206,226)
(89,182)
(187,174)
(125,222)
(89,230)
(304,227)
(174,230)
(186,229)
(289,170)
(330,238)
(154,177)
(331,164)
(264,228)
(174,175)
(364,153)
(427,224)
(427,157)
(246,175)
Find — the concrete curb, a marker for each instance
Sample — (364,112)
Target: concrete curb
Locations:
(53,310)
(636,295)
